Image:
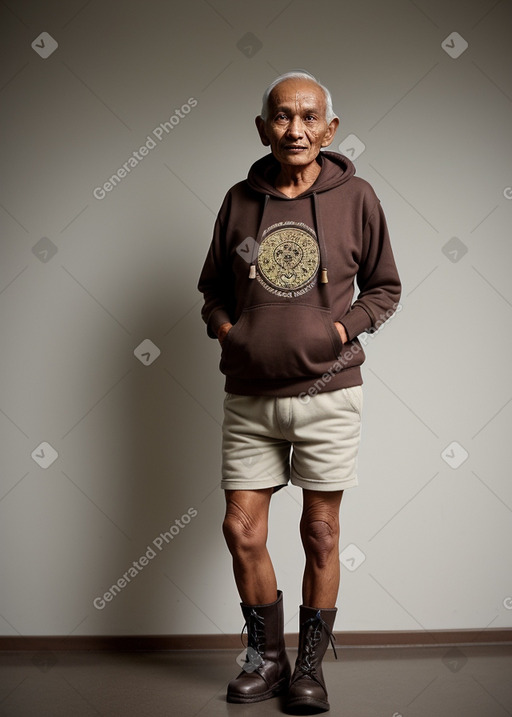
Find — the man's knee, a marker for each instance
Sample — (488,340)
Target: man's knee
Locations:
(320,537)
(244,531)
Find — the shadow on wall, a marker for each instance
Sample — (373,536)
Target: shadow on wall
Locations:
(160,431)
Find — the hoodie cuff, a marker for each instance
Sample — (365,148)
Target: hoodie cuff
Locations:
(217,318)
(356,322)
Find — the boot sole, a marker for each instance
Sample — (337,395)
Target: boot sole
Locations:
(305,705)
(247,699)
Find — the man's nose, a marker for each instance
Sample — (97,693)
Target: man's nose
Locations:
(296,127)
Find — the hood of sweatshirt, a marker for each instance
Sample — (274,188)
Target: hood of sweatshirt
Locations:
(336,169)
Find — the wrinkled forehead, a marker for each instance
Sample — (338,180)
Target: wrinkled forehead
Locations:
(297,93)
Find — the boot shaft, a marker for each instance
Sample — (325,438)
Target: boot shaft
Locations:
(316,627)
(266,672)
(307,689)
(265,627)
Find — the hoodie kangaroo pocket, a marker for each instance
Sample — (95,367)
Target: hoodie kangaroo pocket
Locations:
(281,341)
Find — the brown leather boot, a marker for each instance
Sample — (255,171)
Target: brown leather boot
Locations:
(307,693)
(266,671)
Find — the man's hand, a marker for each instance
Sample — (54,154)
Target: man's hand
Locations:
(223,331)
(341,331)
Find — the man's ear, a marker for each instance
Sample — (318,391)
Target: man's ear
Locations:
(260,124)
(330,132)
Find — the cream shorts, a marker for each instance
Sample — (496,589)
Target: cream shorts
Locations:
(311,441)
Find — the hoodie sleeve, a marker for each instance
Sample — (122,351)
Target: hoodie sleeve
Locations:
(377,279)
(215,282)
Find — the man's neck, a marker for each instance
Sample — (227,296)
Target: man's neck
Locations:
(292,180)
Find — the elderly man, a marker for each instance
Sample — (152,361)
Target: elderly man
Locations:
(278,286)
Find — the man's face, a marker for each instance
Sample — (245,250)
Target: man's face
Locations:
(296,127)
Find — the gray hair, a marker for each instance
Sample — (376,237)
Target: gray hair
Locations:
(303,75)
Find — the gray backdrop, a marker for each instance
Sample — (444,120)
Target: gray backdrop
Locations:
(111,399)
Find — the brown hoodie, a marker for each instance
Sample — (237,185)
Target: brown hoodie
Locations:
(282,271)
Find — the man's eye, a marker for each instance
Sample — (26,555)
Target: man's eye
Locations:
(281,116)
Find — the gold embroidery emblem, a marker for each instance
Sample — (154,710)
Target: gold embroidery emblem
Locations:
(288,258)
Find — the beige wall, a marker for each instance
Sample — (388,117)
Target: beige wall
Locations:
(85,280)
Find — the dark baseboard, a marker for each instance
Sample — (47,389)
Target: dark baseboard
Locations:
(148,643)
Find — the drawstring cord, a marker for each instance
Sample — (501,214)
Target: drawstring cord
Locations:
(256,245)
(324,279)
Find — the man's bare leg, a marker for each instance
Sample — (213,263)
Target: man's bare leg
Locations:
(320,531)
(245,529)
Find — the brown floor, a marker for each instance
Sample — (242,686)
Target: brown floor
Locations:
(473,681)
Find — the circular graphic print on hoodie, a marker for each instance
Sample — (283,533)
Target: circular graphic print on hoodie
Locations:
(288,259)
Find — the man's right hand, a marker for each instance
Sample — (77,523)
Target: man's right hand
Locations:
(223,331)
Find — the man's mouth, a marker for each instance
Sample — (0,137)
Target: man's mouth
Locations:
(294,147)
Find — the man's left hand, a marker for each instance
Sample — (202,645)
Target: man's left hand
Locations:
(341,330)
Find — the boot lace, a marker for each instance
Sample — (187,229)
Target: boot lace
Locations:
(313,635)
(255,625)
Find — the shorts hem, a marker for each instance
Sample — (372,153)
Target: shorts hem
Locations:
(322,485)
(252,485)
